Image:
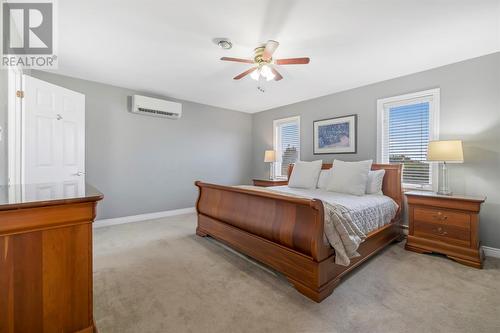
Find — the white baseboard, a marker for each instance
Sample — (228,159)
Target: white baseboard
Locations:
(491,252)
(142,217)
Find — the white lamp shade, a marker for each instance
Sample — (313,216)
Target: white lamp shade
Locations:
(270,156)
(445,151)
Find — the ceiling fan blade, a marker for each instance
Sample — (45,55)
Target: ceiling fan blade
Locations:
(277,75)
(246,61)
(292,61)
(271,46)
(245,73)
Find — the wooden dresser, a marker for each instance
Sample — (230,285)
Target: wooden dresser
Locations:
(269,182)
(46,258)
(445,224)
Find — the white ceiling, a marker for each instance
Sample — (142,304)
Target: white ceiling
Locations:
(166,47)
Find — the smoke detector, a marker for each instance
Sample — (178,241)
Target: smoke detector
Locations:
(223,43)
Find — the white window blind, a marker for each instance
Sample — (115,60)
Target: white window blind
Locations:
(406,125)
(286,144)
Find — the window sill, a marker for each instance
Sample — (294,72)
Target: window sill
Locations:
(411,188)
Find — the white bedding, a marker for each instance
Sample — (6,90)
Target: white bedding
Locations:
(369,212)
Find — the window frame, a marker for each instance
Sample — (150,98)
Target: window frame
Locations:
(433,97)
(276,123)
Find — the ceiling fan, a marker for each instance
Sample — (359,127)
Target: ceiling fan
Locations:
(264,63)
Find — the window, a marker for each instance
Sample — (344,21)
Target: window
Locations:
(406,124)
(286,144)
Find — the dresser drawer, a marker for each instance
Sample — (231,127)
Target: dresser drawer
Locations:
(446,233)
(441,217)
(443,225)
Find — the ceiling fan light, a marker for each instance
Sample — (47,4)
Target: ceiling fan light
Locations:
(255,75)
(267,73)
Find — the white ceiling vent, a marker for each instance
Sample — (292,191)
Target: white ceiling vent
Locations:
(156,107)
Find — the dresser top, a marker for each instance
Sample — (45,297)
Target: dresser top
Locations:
(48,194)
(429,194)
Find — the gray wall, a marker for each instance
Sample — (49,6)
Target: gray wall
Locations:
(3,126)
(145,164)
(470,110)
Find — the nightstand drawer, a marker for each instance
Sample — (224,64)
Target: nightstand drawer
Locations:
(442,217)
(442,232)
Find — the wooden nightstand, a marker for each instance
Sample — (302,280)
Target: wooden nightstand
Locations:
(269,182)
(445,224)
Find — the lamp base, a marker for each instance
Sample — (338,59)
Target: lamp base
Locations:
(271,170)
(444,186)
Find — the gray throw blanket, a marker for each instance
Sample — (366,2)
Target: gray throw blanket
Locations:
(342,233)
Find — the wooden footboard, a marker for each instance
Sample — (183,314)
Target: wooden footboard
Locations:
(283,232)
(294,223)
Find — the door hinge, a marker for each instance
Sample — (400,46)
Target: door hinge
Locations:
(20,93)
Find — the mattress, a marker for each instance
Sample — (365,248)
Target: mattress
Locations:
(368,212)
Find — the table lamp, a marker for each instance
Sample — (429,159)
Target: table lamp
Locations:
(270,157)
(445,151)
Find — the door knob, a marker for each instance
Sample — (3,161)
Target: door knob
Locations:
(79,173)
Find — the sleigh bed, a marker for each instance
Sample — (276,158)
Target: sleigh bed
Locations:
(287,233)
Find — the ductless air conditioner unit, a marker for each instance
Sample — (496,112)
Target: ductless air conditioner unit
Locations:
(156,107)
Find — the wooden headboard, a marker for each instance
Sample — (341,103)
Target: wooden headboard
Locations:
(392,179)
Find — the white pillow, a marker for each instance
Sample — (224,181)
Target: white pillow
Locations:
(374,183)
(349,177)
(324,175)
(305,174)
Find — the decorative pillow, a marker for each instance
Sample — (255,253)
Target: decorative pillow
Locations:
(349,177)
(324,175)
(305,174)
(374,183)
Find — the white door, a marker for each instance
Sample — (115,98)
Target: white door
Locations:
(53,144)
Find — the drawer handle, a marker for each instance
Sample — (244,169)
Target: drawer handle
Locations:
(440,217)
(441,231)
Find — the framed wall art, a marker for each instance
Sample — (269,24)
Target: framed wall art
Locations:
(335,135)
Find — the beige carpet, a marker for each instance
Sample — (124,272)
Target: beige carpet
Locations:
(157,276)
